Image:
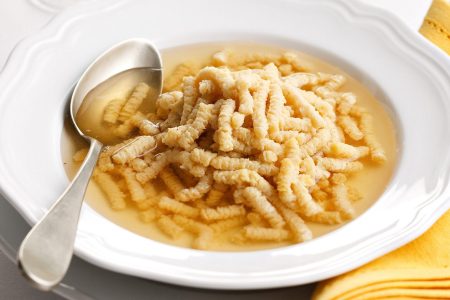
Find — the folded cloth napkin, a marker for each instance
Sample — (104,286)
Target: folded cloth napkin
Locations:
(421,269)
(436,26)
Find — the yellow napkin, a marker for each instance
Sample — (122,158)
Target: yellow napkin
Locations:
(421,269)
(436,26)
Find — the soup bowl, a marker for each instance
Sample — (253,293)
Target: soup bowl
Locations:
(409,76)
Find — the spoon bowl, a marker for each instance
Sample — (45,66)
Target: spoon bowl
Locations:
(137,55)
(45,253)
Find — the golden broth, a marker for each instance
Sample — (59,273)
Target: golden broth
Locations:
(371,182)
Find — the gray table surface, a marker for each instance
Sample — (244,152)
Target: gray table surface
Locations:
(21,18)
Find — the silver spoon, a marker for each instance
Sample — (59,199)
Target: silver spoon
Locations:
(45,253)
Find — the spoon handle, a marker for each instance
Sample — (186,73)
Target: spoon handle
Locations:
(45,253)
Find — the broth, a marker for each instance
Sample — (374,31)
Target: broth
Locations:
(371,182)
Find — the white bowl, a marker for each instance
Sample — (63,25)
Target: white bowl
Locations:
(408,74)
